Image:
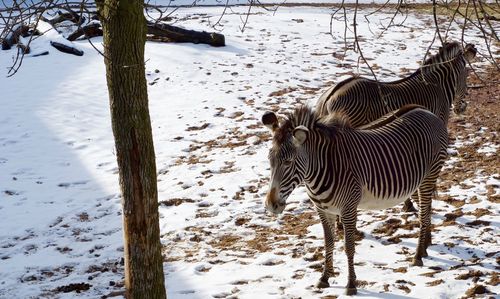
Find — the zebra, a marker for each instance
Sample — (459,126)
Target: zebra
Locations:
(344,168)
(438,84)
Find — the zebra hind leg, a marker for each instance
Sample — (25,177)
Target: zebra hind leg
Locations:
(349,221)
(328,231)
(425,206)
(428,237)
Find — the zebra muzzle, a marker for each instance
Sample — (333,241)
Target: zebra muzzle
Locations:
(273,202)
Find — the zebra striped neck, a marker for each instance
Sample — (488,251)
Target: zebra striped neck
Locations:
(445,74)
(447,52)
(326,166)
(445,66)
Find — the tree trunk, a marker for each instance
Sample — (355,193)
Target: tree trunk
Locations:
(124,28)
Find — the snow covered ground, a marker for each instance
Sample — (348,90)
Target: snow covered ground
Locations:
(60,219)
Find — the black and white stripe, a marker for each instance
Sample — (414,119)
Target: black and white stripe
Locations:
(438,84)
(344,169)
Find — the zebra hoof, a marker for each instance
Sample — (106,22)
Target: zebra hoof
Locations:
(408,208)
(417,262)
(351,291)
(322,284)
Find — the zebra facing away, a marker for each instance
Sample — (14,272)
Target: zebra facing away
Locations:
(438,84)
(344,169)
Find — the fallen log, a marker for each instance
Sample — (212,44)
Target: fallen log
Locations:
(67,16)
(40,54)
(164,32)
(89,31)
(13,37)
(489,18)
(66,49)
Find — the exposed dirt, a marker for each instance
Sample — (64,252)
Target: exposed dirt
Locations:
(175,201)
(475,274)
(476,290)
(476,128)
(73,287)
(435,282)
(482,112)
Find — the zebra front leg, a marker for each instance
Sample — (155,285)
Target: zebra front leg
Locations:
(428,237)
(328,231)
(425,206)
(349,221)
(408,205)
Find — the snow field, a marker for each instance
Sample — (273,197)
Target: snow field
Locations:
(60,203)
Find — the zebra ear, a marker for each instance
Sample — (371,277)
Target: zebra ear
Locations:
(270,120)
(300,135)
(470,52)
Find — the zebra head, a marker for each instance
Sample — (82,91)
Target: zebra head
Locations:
(459,103)
(287,160)
(450,64)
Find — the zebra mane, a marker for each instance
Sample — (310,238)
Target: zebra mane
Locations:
(337,119)
(306,116)
(447,52)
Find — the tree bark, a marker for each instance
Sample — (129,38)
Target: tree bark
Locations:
(124,28)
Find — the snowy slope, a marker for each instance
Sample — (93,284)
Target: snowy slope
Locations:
(59,203)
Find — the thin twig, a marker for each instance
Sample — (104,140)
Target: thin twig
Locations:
(245,21)
(434,13)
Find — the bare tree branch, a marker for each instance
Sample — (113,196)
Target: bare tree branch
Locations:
(464,16)
(436,24)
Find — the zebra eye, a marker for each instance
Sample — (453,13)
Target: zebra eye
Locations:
(287,162)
